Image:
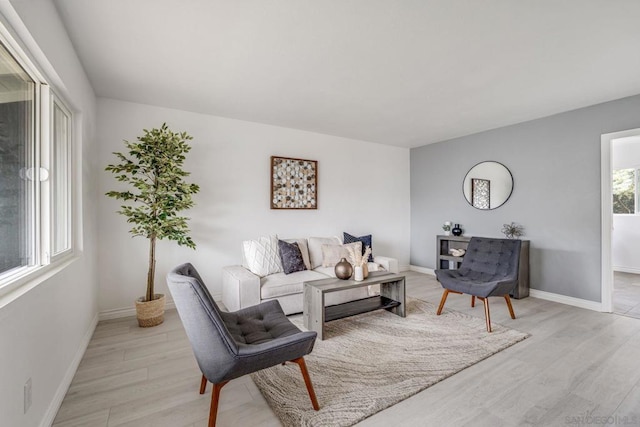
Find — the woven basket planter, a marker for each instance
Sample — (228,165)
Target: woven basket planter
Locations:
(150,313)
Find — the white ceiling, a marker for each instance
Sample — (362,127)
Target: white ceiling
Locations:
(398,72)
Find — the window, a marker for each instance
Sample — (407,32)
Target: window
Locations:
(17,98)
(35,168)
(625,191)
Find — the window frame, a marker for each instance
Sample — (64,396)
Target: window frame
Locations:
(41,240)
(56,101)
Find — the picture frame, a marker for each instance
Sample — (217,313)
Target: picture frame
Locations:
(294,183)
(481,193)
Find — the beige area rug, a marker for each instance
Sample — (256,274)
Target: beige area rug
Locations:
(375,360)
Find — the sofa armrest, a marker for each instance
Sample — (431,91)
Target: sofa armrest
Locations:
(389,264)
(240,288)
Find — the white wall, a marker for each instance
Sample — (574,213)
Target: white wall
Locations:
(42,332)
(625,243)
(362,188)
(625,238)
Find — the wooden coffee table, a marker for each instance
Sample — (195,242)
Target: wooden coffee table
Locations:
(316,315)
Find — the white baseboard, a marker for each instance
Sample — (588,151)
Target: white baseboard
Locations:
(118,313)
(423,270)
(404,267)
(626,269)
(563,299)
(58,397)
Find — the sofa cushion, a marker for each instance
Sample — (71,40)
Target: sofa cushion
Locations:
(315,249)
(366,241)
(276,285)
(262,255)
(332,254)
(329,271)
(291,257)
(374,266)
(304,250)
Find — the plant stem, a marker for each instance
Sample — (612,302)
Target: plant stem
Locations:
(152,268)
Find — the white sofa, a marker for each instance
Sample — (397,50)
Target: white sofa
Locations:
(241,288)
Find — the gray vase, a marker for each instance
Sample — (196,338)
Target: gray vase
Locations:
(343,269)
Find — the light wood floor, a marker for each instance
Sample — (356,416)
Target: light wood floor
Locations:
(576,366)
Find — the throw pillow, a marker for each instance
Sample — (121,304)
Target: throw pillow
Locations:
(291,257)
(304,249)
(315,249)
(332,254)
(262,256)
(366,241)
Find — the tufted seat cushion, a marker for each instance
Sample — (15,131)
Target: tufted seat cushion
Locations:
(255,325)
(471,282)
(490,267)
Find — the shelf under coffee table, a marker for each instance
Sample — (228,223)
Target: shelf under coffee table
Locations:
(391,298)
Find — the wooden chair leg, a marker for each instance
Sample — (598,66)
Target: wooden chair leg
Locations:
(486,312)
(508,300)
(215,397)
(442,301)
(473,301)
(307,380)
(203,385)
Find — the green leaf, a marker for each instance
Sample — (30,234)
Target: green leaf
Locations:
(153,167)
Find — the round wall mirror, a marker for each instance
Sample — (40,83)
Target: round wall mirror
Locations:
(487,185)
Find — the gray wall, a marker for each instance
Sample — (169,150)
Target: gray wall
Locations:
(555,162)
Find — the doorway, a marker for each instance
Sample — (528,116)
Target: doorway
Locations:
(621,223)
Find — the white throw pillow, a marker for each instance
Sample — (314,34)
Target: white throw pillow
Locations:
(262,255)
(315,248)
(331,254)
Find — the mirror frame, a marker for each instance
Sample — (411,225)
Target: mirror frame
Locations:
(470,202)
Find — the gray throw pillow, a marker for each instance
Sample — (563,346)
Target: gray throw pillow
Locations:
(291,257)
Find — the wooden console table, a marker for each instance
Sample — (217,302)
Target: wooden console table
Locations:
(444,260)
(391,298)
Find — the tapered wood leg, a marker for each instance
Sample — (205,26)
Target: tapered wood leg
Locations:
(203,385)
(508,300)
(473,301)
(487,316)
(215,396)
(307,380)
(445,294)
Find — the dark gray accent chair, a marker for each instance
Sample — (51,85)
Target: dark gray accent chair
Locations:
(489,268)
(230,345)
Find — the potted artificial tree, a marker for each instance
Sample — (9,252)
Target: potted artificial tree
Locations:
(153,169)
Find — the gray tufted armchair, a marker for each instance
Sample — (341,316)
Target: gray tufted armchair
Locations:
(230,345)
(489,268)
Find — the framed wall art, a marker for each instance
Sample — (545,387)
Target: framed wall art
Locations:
(480,193)
(294,183)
